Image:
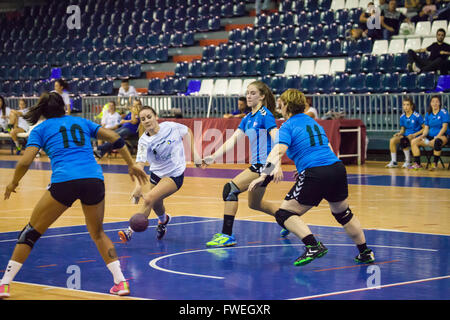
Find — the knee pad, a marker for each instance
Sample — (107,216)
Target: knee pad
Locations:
(343,217)
(404,143)
(282,215)
(28,236)
(230,192)
(438,144)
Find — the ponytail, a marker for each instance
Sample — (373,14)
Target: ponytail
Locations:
(49,105)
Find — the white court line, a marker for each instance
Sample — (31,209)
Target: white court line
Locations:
(365,289)
(153,263)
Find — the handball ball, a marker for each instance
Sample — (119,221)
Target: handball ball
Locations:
(139,222)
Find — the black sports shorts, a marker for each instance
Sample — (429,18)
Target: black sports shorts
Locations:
(90,191)
(257,168)
(314,184)
(178,180)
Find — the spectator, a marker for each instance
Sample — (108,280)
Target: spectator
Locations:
(4,115)
(126,90)
(62,88)
(391,20)
(411,124)
(111,118)
(412,6)
(364,30)
(128,129)
(383,5)
(426,13)
(310,110)
(435,134)
(242,110)
(18,123)
(438,59)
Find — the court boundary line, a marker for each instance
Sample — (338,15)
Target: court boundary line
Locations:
(373,288)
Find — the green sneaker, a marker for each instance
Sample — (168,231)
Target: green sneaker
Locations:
(284,233)
(221,240)
(365,257)
(311,253)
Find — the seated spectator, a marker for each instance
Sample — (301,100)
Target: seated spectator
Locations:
(62,88)
(391,20)
(411,126)
(241,111)
(4,115)
(412,6)
(128,129)
(310,110)
(438,59)
(111,118)
(426,13)
(435,134)
(18,124)
(126,91)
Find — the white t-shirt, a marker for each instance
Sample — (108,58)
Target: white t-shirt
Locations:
(4,118)
(110,120)
(21,122)
(65,97)
(130,93)
(313,110)
(164,151)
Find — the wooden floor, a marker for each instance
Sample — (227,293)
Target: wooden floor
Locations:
(408,209)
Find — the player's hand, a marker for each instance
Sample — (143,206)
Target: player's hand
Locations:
(256,183)
(11,187)
(136,172)
(136,195)
(278,175)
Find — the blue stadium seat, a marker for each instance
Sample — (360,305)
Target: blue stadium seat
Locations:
(214,24)
(239,9)
(290,50)
(134,70)
(188,38)
(162,54)
(235,35)
(308,84)
(261,34)
(221,68)
(248,50)
(263,67)
(301,33)
(400,62)
(3,73)
(94,87)
(353,64)
(273,20)
(311,5)
(138,54)
(235,68)
(373,82)
(45,71)
(278,84)
(83,87)
(27,88)
(112,70)
(82,56)
(249,67)
(226,10)
(220,52)
(193,86)
(330,31)
(319,48)
(16,88)
(182,69)
(24,73)
(208,52)
(248,35)
(300,18)
(341,16)
(324,83)
(293,82)
(34,72)
(288,33)
(298,6)
(274,34)
(389,82)
(333,48)
(154,86)
(356,82)
(349,48)
(202,24)
(363,46)
(275,49)
(100,70)
(176,39)
(88,71)
(327,17)
(167,86)
(313,17)
(369,63)
(66,71)
(324,4)
(234,51)
(207,68)
(385,62)
(277,66)
(341,83)
(262,50)
(287,19)
(180,85)
(304,49)
(315,32)
(164,39)
(407,82)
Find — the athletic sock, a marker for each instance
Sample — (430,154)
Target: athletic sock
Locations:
(227,227)
(114,267)
(11,270)
(362,247)
(309,240)
(407,156)
(394,157)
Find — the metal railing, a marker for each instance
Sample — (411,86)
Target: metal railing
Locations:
(380,112)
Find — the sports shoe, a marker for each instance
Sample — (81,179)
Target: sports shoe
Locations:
(121,289)
(161,228)
(284,233)
(4,291)
(311,253)
(98,154)
(392,164)
(222,240)
(415,166)
(406,165)
(18,149)
(125,235)
(432,167)
(365,257)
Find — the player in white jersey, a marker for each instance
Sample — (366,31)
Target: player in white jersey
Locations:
(161,145)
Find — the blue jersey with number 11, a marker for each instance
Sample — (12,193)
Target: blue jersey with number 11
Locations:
(307,142)
(67,142)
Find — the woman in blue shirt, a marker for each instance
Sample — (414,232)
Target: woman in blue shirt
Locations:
(411,124)
(75,175)
(435,134)
(321,175)
(260,127)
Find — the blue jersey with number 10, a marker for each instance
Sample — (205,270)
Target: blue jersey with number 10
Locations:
(307,142)
(67,142)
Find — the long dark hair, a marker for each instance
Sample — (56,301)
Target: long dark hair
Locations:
(411,103)
(63,84)
(49,105)
(430,109)
(3,105)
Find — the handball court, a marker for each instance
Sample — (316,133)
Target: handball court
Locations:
(405,215)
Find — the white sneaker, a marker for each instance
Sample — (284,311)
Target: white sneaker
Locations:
(392,164)
(406,165)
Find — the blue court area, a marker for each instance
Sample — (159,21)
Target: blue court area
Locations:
(180,267)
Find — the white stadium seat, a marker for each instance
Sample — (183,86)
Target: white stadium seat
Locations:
(322,67)
(307,67)
(235,87)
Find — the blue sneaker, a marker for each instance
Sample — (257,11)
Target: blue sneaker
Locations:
(221,240)
(161,228)
(284,233)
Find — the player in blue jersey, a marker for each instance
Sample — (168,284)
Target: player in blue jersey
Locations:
(435,134)
(260,127)
(321,175)
(411,126)
(75,175)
